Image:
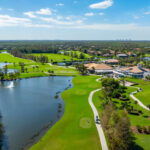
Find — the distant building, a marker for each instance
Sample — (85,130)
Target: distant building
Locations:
(112,61)
(122,55)
(146,58)
(92,52)
(136,71)
(131,54)
(107,55)
(99,68)
(112,52)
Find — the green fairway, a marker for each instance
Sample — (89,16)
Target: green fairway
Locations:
(35,69)
(143,141)
(76,130)
(78,54)
(55,57)
(11,59)
(38,68)
(144,95)
(2,51)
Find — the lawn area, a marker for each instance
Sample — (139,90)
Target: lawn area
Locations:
(55,57)
(143,96)
(78,54)
(2,51)
(35,69)
(76,130)
(141,139)
(42,69)
(147,55)
(11,59)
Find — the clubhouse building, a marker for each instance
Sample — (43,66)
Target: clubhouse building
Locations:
(135,71)
(100,69)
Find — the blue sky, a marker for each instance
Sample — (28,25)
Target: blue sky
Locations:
(74,19)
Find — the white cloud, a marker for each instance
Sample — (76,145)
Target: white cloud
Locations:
(6,20)
(37,25)
(55,21)
(59,17)
(102,5)
(10,9)
(109,27)
(89,14)
(69,18)
(101,14)
(30,14)
(43,11)
(60,4)
(136,17)
(147,13)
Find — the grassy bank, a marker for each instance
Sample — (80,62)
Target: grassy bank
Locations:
(144,95)
(76,130)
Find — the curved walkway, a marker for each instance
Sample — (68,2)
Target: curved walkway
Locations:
(98,125)
(135,99)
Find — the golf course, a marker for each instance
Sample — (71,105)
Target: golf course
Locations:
(36,69)
(76,129)
(77,124)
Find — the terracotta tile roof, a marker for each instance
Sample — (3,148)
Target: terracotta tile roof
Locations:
(98,66)
(112,52)
(147,70)
(129,53)
(89,65)
(133,69)
(112,61)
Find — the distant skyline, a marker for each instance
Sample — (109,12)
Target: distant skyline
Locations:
(74,19)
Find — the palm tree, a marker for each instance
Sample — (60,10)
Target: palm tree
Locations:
(2,75)
(82,69)
(6,69)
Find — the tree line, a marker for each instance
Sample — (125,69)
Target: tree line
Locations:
(115,120)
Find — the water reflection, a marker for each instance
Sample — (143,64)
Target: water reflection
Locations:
(30,108)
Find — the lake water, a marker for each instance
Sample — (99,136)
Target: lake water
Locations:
(28,106)
(8,70)
(147,58)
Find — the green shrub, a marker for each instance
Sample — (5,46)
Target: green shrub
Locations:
(139,128)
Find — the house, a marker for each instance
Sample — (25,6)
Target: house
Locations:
(122,56)
(99,53)
(136,71)
(112,52)
(92,52)
(112,61)
(99,68)
(131,54)
(107,55)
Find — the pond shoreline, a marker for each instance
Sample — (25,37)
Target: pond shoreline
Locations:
(36,136)
(40,134)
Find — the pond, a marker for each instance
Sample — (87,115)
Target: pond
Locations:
(8,70)
(146,58)
(29,107)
